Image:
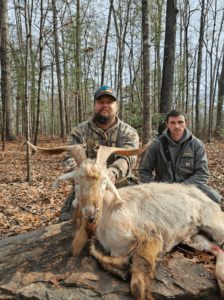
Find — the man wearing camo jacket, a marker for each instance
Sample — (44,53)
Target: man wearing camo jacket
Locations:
(104,128)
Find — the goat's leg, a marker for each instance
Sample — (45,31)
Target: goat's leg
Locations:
(212,222)
(201,243)
(142,268)
(116,265)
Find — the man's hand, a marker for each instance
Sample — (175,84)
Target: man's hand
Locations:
(111,176)
(71,170)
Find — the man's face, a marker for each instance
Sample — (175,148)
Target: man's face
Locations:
(176,126)
(105,109)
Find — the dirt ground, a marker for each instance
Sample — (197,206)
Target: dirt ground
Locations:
(26,206)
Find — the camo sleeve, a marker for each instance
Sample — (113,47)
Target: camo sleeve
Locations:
(76,137)
(128,138)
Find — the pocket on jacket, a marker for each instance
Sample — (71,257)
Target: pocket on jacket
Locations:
(187,164)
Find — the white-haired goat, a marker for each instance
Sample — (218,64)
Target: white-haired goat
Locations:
(136,224)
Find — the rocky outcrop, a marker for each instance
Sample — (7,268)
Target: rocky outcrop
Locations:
(40,265)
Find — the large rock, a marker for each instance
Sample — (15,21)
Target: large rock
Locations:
(40,265)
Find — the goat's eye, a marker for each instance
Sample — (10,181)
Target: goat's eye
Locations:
(76,183)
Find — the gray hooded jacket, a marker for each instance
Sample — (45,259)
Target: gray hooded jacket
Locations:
(188,164)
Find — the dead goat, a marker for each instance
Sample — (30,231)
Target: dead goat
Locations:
(136,224)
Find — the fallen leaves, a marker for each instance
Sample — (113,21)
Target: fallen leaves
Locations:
(27,206)
(215,154)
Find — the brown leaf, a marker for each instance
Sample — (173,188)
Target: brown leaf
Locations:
(65,192)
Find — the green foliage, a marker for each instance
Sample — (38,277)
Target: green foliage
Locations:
(158,119)
(220,131)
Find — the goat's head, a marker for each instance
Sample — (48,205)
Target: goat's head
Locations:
(91,179)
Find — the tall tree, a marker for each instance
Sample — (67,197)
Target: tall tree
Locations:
(201,37)
(166,102)
(6,72)
(121,32)
(186,25)
(213,68)
(77,60)
(219,122)
(106,40)
(58,68)
(3,100)
(40,72)
(147,122)
(27,101)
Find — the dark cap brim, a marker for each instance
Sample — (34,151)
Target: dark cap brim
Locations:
(109,94)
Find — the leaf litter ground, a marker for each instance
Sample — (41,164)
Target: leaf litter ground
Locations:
(28,206)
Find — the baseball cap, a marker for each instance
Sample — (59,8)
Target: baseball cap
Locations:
(105,90)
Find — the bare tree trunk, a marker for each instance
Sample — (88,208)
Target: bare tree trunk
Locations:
(52,99)
(19,30)
(212,71)
(219,125)
(105,47)
(121,45)
(131,62)
(158,61)
(28,37)
(206,84)
(166,102)
(40,74)
(119,84)
(202,26)
(33,78)
(6,72)
(184,64)
(181,56)
(45,127)
(21,48)
(3,99)
(17,113)
(77,50)
(192,104)
(65,67)
(216,67)
(147,122)
(3,125)
(187,20)
(57,59)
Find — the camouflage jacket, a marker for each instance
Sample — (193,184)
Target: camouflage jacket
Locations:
(90,135)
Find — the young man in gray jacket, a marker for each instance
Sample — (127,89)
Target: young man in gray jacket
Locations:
(177,156)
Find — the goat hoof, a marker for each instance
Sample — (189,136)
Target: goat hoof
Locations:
(130,258)
(125,275)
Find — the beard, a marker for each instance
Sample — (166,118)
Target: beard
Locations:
(98,117)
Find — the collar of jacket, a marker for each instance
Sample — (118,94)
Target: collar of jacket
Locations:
(186,137)
(101,131)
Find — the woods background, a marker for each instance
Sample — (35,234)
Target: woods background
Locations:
(156,55)
(55,54)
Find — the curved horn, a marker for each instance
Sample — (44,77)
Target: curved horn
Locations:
(104,152)
(76,151)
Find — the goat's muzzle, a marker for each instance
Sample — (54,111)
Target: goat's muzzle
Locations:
(90,213)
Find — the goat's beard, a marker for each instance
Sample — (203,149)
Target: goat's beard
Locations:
(103,119)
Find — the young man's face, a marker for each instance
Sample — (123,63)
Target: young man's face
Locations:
(105,109)
(176,126)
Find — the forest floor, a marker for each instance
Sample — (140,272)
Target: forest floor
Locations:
(26,206)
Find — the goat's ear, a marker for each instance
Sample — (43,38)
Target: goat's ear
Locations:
(65,177)
(110,186)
